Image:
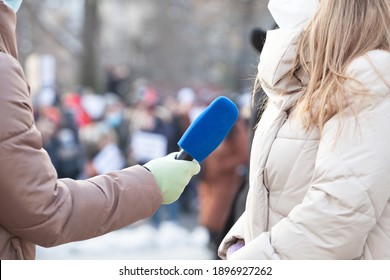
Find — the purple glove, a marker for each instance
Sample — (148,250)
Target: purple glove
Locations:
(235,247)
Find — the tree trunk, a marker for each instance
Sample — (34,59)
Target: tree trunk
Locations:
(90,39)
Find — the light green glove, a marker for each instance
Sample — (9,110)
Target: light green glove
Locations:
(172,175)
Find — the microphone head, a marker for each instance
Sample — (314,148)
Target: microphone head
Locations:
(209,129)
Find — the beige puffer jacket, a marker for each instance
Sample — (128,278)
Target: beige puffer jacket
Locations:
(315,197)
(35,207)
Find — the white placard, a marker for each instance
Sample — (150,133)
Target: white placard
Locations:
(146,146)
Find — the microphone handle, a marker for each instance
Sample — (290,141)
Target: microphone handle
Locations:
(182,155)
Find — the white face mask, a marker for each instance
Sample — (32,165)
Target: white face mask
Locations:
(289,13)
(13,4)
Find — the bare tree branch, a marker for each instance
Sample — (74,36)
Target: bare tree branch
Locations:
(65,39)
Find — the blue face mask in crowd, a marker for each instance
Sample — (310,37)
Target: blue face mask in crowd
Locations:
(114,119)
(13,4)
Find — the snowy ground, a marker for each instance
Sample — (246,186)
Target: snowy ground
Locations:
(141,241)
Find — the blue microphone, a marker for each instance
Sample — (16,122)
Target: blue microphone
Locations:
(208,130)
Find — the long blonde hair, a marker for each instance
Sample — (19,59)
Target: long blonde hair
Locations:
(341,31)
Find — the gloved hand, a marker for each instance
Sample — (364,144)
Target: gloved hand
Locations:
(172,175)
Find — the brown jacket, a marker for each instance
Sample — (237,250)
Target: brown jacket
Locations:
(36,207)
(221,178)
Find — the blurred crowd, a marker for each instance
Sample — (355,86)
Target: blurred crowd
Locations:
(87,133)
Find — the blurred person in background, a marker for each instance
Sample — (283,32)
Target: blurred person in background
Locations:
(115,118)
(37,208)
(61,140)
(223,174)
(73,106)
(118,81)
(320,159)
(152,134)
(103,153)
